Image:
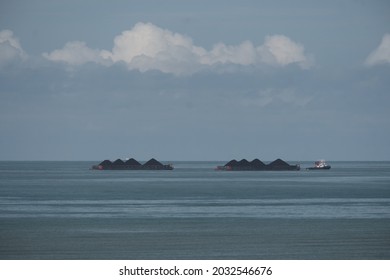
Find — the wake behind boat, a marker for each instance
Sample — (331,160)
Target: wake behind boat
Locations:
(319,165)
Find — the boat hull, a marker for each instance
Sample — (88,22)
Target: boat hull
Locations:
(129,167)
(265,168)
(319,168)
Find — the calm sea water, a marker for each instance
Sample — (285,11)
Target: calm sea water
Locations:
(64,210)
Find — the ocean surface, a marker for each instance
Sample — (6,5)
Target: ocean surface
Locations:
(64,210)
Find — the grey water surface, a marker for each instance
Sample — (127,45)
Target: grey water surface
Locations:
(64,210)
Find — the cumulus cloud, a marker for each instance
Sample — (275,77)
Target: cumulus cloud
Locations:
(149,47)
(10,48)
(281,50)
(381,55)
(75,53)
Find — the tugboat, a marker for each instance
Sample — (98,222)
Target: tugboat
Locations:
(319,165)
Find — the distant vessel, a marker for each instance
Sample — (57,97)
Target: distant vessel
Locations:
(132,164)
(258,165)
(319,165)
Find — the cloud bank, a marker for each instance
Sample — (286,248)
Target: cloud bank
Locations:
(10,48)
(149,47)
(381,55)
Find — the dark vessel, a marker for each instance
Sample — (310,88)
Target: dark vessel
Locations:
(132,164)
(319,165)
(258,165)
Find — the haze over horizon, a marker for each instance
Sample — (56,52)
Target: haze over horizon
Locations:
(195,80)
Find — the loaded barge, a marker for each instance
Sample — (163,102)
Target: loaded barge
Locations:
(132,164)
(258,165)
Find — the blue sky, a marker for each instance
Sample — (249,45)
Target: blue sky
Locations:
(194,80)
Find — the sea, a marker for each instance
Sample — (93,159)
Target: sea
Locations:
(64,210)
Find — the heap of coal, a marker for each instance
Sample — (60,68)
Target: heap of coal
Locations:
(153,162)
(258,165)
(132,164)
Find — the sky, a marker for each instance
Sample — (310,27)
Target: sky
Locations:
(195,80)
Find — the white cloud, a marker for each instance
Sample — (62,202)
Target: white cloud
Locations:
(243,54)
(10,48)
(148,40)
(75,53)
(149,47)
(281,50)
(382,54)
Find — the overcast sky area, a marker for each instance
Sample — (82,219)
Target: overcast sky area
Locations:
(195,80)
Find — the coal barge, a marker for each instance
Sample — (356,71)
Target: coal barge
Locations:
(258,165)
(132,164)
